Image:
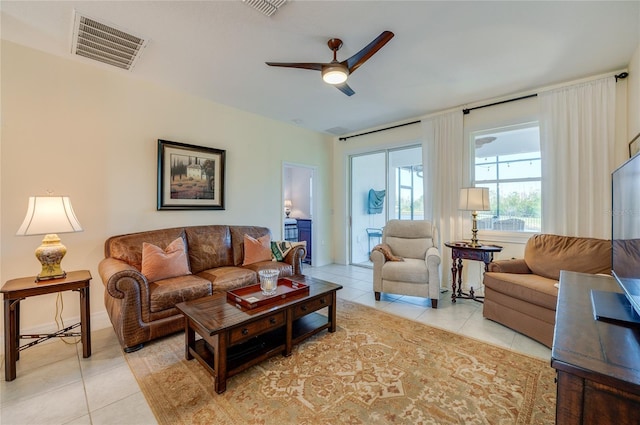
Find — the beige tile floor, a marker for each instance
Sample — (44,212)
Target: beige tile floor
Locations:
(55,385)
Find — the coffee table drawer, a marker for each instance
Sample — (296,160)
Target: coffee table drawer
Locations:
(258,327)
(311,306)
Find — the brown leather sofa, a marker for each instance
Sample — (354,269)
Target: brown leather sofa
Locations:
(522,293)
(141,311)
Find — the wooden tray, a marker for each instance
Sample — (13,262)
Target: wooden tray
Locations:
(251,296)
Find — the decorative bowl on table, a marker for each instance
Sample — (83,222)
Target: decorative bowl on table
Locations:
(269,281)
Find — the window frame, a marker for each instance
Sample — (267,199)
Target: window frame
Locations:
(492,235)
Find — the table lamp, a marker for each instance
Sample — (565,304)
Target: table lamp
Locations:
(48,215)
(287,207)
(474,199)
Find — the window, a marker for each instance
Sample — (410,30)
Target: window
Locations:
(507,161)
(409,203)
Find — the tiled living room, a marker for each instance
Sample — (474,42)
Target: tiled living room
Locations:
(69,389)
(208,123)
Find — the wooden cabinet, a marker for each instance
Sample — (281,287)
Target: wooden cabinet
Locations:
(304,234)
(598,372)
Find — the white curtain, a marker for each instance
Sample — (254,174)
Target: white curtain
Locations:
(577,133)
(443,158)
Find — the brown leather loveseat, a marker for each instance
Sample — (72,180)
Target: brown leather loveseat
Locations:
(141,310)
(522,293)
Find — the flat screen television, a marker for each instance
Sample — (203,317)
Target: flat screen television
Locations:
(625,248)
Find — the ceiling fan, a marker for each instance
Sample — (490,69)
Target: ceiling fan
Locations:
(335,72)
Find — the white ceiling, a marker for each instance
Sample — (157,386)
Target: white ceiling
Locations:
(443,55)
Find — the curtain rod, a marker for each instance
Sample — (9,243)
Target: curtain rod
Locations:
(380,129)
(467,110)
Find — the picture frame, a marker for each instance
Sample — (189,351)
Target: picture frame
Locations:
(634,145)
(190,177)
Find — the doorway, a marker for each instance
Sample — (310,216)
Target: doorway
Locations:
(298,204)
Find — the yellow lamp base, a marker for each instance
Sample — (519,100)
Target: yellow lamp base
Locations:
(474,230)
(50,255)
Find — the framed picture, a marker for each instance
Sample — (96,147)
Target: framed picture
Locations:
(634,146)
(190,177)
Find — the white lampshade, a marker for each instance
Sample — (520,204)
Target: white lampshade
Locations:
(336,74)
(287,203)
(474,199)
(49,214)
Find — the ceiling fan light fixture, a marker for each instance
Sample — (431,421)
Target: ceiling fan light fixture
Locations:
(335,74)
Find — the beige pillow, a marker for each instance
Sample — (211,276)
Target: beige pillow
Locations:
(256,250)
(158,264)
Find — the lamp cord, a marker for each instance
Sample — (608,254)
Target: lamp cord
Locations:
(60,321)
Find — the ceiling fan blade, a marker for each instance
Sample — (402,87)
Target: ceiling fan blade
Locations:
(312,66)
(344,88)
(369,50)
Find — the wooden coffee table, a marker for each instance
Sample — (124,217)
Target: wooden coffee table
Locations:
(235,338)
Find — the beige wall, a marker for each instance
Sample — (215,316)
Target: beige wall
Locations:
(91,133)
(633,92)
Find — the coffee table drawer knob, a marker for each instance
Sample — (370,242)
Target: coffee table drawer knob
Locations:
(245,331)
(323,301)
(303,308)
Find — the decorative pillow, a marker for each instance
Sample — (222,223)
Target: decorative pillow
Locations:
(386,251)
(256,250)
(158,264)
(280,249)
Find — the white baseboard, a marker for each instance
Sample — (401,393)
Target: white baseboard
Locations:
(99,320)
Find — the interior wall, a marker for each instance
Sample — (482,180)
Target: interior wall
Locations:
(91,133)
(633,90)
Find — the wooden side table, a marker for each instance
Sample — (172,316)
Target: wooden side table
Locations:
(463,251)
(17,290)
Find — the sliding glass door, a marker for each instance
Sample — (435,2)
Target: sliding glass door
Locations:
(384,185)
(406,183)
(368,203)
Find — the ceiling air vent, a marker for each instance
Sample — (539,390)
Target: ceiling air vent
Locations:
(104,43)
(268,7)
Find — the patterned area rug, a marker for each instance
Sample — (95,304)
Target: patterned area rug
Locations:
(375,369)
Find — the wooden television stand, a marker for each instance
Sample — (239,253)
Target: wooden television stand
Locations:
(597,363)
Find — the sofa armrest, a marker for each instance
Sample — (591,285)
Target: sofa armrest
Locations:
(113,272)
(433,257)
(514,265)
(433,260)
(378,260)
(127,301)
(295,257)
